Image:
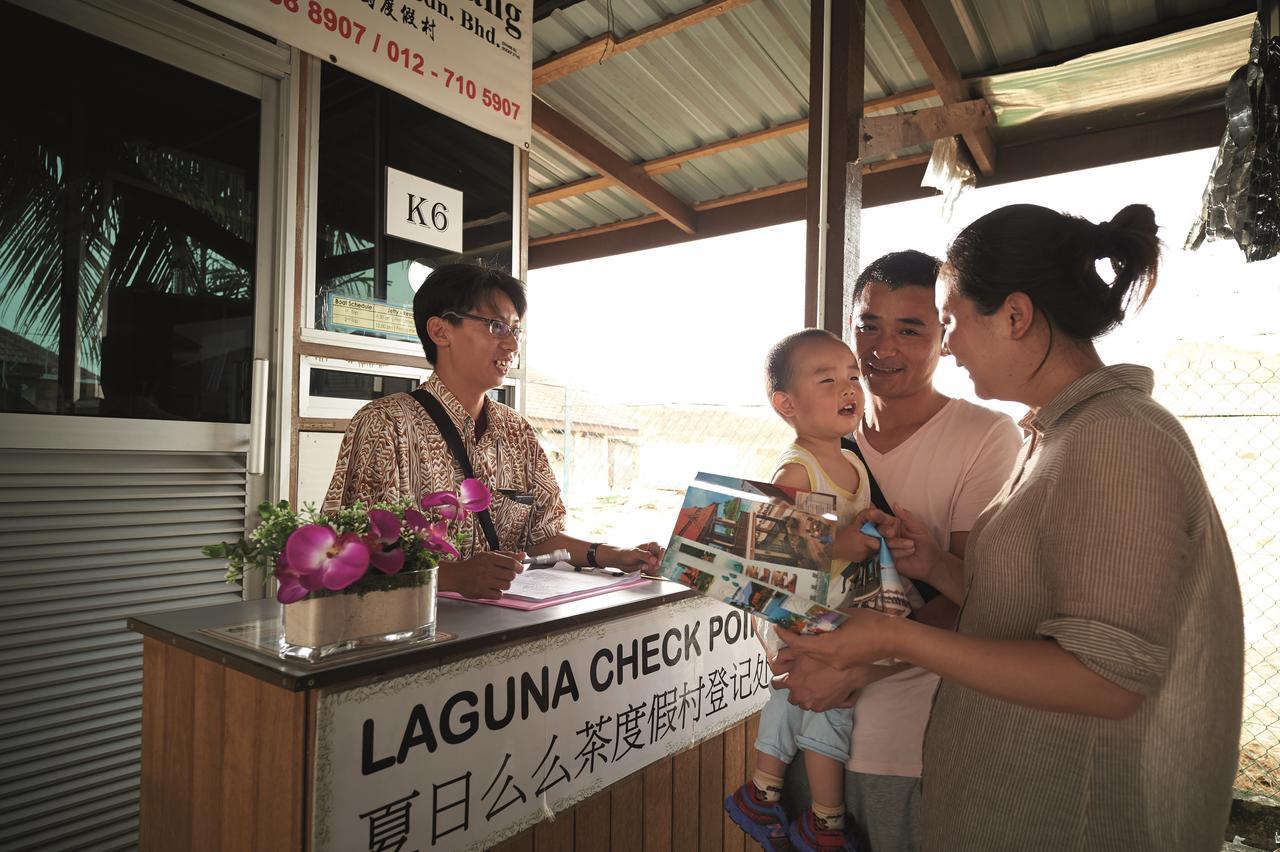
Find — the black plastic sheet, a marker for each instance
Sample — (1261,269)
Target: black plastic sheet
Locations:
(1242,199)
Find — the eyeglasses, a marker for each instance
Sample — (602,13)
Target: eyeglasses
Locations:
(497,328)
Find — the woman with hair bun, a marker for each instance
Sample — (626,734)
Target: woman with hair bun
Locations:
(1091,694)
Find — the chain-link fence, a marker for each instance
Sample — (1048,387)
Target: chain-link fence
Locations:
(1229,403)
(624,468)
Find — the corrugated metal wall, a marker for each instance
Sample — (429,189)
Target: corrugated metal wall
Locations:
(86,539)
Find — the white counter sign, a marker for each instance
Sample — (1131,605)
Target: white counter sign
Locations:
(465,755)
(423,211)
(469,59)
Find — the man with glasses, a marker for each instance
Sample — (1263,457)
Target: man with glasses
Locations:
(468,318)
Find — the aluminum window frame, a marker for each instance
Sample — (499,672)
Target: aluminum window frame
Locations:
(307,332)
(199,44)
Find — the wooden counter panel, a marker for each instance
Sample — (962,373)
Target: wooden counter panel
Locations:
(223,759)
(627,814)
(711,787)
(591,822)
(737,766)
(674,804)
(553,835)
(658,805)
(686,793)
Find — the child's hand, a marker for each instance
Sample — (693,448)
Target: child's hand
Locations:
(852,544)
(915,553)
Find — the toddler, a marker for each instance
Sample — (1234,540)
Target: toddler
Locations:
(812,380)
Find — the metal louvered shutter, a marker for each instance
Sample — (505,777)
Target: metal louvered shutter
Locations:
(86,539)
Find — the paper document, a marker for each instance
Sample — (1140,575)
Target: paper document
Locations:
(561,580)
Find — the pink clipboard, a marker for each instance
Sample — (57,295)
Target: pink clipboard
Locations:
(528,605)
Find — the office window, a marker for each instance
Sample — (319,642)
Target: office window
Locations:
(363,279)
(127,233)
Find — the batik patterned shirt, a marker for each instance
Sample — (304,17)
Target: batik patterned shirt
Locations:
(392,449)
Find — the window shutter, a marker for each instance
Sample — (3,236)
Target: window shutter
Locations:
(88,538)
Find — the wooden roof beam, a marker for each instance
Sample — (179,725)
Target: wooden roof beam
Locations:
(604,160)
(669,163)
(1019,162)
(673,161)
(914,21)
(884,134)
(649,219)
(597,50)
(891,186)
(726,201)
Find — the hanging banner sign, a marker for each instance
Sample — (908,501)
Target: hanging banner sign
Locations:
(423,211)
(469,59)
(465,755)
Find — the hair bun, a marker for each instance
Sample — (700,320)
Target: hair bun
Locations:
(1135,217)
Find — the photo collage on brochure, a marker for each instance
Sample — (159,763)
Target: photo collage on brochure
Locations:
(757,546)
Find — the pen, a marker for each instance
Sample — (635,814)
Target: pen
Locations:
(546,560)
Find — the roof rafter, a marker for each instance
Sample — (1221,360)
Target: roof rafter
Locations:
(726,201)
(881,186)
(884,134)
(914,21)
(672,162)
(603,159)
(602,47)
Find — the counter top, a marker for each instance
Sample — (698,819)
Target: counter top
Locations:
(477,629)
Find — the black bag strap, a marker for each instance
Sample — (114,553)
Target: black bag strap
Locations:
(881,502)
(451,437)
(877,496)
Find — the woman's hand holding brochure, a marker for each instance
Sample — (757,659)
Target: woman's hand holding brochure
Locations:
(863,641)
(818,687)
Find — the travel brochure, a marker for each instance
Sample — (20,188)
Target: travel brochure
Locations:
(760,547)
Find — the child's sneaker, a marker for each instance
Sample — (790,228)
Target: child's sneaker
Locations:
(764,822)
(805,836)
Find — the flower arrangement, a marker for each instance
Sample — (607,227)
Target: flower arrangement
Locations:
(386,546)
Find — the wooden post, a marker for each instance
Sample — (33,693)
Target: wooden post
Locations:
(834,205)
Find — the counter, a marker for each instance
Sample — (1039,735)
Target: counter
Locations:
(615,722)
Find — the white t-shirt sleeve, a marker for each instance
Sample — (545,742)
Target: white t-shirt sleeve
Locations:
(987,473)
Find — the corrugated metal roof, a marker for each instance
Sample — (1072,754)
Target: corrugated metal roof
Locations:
(743,70)
(982,35)
(1176,74)
(748,69)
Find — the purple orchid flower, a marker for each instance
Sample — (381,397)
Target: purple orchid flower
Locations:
(290,589)
(324,559)
(416,520)
(475,495)
(437,538)
(434,536)
(445,503)
(384,534)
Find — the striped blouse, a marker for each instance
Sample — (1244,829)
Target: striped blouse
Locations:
(1106,541)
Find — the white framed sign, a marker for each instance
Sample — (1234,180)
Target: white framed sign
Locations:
(469,59)
(423,211)
(465,755)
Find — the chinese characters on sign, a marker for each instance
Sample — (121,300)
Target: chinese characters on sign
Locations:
(467,754)
(469,59)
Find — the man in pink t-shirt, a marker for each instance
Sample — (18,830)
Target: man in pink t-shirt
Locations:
(942,458)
